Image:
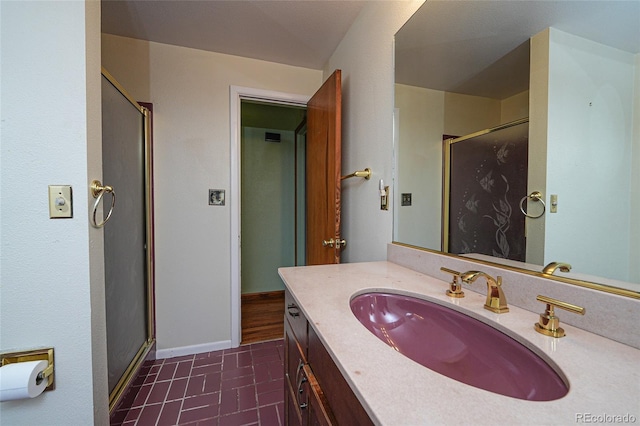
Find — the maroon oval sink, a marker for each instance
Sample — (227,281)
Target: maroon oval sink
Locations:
(458,346)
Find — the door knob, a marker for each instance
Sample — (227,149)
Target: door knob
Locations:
(332,242)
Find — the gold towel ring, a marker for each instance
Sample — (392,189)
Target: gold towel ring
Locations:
(535,196)
(98,191)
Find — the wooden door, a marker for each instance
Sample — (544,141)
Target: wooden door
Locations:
(324,128)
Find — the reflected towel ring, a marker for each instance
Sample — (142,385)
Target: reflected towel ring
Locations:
(535,196)
(98,191)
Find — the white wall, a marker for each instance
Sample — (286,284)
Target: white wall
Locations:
(419,151)
(589,149)
(634,250)
(365,56)
(189,90)
(424,115)
(538,116)
(466,114)
(515,107)
(51,281)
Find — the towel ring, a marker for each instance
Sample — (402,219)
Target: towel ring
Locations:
(98,191)
(535,196)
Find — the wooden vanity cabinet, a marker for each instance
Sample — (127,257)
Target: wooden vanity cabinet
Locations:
(316,393)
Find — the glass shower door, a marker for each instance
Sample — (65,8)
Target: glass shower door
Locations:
(125,234)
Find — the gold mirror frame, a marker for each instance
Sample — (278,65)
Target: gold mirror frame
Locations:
(588,284)
(634,294)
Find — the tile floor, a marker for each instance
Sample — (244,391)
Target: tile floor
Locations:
(241,386)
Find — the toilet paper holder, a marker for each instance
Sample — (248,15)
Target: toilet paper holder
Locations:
(45,354)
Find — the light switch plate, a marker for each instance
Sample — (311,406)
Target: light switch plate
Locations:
(60,202)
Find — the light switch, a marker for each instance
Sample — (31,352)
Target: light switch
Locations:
(554,203)
(60,202)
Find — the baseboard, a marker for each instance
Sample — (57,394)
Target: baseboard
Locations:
(193,349)
(265,295)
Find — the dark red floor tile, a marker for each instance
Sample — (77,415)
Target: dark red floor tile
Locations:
(198,414)
(149,415)
(158,392)
(237,382)
(209,422)
(177,389)
(238,349)
(245,359)
(213,359)
(201,400)
(269,386)
(150,379)
(169,414)
(179,359)
(261,373)
(184,369)
(222,388)
(228,401)
(242,418)
(212,382)
(247,398)
(206,369)
(269,416)
(270,398)
(230,361)
(142,396)
(195,385)
(238,372)
(167,371)
(117,418)
(276,370)
(133,414)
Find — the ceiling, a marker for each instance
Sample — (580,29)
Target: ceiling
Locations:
(299,33)
(474,47)
(481,47)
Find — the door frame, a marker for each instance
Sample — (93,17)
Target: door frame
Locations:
(236,95)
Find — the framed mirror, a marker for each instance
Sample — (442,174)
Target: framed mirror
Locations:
(569,68)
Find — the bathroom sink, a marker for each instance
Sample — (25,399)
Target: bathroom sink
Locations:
(458,346)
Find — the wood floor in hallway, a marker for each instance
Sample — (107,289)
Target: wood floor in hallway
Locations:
(262,316)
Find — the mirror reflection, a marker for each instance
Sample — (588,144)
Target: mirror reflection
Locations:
(572,70)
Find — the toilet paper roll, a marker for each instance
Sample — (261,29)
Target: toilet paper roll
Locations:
(20,380)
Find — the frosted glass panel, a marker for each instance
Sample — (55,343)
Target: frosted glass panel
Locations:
(124,234)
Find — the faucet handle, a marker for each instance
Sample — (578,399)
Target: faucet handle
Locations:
(455,289)
(549,324)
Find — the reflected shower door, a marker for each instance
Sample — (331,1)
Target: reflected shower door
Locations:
(125,234)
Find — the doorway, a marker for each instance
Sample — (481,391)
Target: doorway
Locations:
(272,159)
(322,177)
(238,95)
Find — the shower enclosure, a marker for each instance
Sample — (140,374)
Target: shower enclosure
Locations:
(128,243)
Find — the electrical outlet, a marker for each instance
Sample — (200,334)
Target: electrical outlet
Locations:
(60,202)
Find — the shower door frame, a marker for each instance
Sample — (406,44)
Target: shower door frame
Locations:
(149,344)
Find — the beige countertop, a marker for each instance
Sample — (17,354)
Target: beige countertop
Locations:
(604,375)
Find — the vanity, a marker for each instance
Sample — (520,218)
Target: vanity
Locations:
(348,367)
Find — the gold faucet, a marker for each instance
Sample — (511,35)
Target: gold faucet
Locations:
(455,289)
(551,267)
(496,300)
(549,323)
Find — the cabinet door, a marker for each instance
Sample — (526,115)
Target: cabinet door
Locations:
(296,392)
(344,404)
(297,321)
(319,412)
